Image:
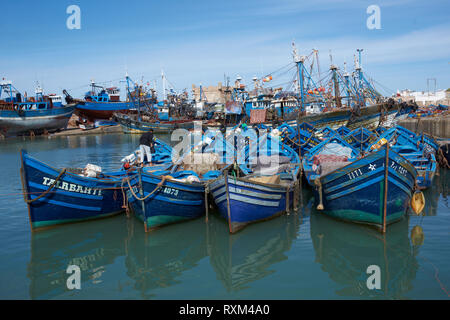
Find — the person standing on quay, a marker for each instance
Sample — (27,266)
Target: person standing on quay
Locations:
(146,146)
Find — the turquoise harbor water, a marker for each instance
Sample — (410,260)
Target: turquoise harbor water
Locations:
(301,256)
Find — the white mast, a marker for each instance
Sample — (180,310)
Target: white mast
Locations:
(163,84)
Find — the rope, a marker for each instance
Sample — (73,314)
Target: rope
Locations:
(158,186)
(49,188)
(362,141)
(301,145)
(125,199)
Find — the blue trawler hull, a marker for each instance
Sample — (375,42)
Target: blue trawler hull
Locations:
(14,122)
(101,110)
(170,201)
(374,190)
(73,198)
(242,202)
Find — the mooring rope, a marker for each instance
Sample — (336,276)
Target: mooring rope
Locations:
(158,186)
(43,194)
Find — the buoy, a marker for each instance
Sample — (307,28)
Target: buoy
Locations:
(418,202)
(417,236)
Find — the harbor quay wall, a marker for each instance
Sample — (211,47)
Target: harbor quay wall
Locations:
(435,126)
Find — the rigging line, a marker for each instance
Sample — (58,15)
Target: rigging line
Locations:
(383,86)
(273,72)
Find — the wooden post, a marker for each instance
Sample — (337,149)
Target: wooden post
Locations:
(295,196)
(206,202)
(386,173)
(228,200)
(287,200)
(141,192)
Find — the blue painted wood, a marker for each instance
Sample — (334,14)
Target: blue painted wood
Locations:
(249,201)
(73,199)
(290,136)
(356,192)
(18,120)
(360,138)
(242,201)
(419,151)
(175,199)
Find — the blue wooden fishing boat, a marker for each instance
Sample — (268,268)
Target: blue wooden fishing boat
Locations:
(374,190)
(301,139)
(343,130)
(326,132)
(58,196)
(261,187)
(360,138)
(31,115)
(61,196)
(161,197)
(412,147)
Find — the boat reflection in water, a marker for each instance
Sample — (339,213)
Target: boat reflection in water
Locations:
(345,251)
(156,260)
(91,246)
(247,256)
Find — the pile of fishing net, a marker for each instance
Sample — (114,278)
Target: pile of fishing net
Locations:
(201,163)
(326,163)
(270,165)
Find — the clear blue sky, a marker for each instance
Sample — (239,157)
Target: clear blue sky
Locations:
(198,41)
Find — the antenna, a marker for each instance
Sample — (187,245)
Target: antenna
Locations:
(359,60)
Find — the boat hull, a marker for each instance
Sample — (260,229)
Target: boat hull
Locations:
(74,198)
(38,121)
(249,202)
(173,202)
(101,110)
(358,193)
(132,126)
(369,117)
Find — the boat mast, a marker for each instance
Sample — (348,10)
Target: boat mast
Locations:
(347,83)
(130,96)
(299,60)
(163,84)
(333,69)
(316,52)
(359,77)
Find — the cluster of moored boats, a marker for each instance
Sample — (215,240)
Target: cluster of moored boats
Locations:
(250,173)
(338,98)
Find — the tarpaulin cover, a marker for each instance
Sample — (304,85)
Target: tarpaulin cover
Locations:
(257,116)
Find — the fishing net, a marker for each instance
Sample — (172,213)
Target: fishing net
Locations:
(201,163)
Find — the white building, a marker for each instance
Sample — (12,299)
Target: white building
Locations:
(424,97)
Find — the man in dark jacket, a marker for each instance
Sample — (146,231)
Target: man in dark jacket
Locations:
(146,146)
